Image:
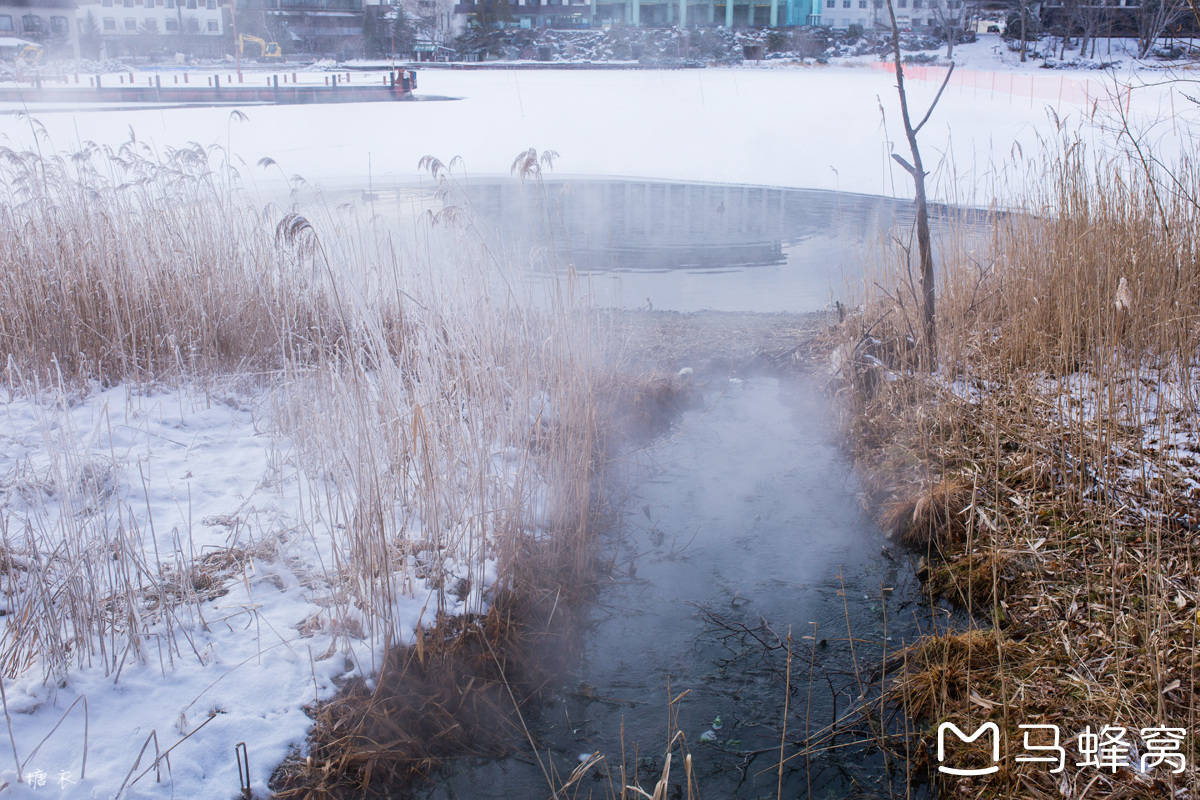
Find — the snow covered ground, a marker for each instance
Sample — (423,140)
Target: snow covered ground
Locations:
(211,476)
(197,475)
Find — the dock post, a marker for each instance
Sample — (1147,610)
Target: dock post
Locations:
(217,82)
(97,82)
(276,80)
(157,82)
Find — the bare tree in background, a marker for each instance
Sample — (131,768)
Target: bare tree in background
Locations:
(1153,18)
(952,17)
(1028,23)
(917,171)
(1086,17)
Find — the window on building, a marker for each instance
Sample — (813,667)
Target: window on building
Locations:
(901,3)
(831,4)
(192,4)
(169,4)
(127,3)
(211,5)
(862,3)
(110,24)
(106,3)
(879,3)
(130,24)
(150,25)
(845,3)
(172,25)
(31,23)
(58,24)
(916,3)
(5,22)
(212,26)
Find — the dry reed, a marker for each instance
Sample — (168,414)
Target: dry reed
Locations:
(1049,466)
(447,422)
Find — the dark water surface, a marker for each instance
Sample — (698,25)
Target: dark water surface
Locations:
(678,246)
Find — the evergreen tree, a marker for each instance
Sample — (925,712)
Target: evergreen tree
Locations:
(374,33)
(402,33)
(89,36)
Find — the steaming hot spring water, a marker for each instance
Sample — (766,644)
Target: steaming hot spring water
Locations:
(744,522)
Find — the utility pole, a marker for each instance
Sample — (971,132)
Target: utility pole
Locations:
(237,43)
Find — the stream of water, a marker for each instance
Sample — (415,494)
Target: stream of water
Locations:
(746,516)
(744,525)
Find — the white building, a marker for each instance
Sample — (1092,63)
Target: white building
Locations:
(916,15)
(156,27)
(47,23)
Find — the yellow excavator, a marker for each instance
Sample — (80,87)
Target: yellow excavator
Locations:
(268,51)
(31,54)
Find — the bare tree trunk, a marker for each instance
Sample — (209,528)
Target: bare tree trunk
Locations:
(916,170)
(1023,40)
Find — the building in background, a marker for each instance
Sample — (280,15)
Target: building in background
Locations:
(156,29)
(49,24)
(921,16)
(305,27)
(598,13)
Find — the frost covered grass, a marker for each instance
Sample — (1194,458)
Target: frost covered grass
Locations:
(246,450)
(1047,467)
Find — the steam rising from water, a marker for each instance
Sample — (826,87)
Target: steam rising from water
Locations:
(745,508)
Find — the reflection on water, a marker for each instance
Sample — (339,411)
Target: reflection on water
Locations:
(680,246)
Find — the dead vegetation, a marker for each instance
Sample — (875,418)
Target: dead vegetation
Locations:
(458,692)
(1046,474)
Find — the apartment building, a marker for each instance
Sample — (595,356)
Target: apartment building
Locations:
(153,27)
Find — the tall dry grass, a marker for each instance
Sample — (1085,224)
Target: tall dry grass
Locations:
(444,415)
(1064,413)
